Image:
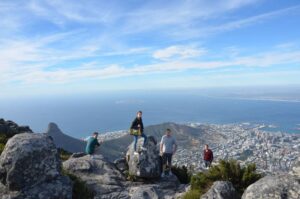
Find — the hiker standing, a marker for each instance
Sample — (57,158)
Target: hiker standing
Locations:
(137,129)
(207,156)
(92,143)
(168,147)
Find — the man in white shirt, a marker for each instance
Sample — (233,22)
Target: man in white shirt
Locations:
(168,147)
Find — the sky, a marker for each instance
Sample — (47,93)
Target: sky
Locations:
(63,47)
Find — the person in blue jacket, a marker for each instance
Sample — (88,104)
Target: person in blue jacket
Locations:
(92,143)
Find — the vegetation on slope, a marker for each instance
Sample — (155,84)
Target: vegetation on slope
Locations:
(240,177)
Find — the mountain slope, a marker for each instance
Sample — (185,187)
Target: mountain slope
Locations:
(64,141)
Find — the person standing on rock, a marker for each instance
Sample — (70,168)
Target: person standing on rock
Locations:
(207,156)
(137,129)
(92,143)
(168,147)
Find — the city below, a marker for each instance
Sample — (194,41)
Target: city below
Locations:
(272,152)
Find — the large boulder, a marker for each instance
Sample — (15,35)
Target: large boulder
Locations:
(30,168)
(221,190)
(282,186)
(146,164)
(100,176)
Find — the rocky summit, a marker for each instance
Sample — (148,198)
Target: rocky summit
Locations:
(106,180)
(146,164)
(30,168)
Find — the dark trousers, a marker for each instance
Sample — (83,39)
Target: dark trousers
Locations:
(167,159)
(207,163)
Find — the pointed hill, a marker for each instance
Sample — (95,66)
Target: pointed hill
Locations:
(64,141)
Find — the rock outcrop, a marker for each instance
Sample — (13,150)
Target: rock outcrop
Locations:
(145,164)
(10,128)
(221,190)
(107,180)
(30,168)
(283,186)
(64,141)
(100,176)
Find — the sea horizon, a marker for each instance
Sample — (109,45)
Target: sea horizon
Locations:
(80,116)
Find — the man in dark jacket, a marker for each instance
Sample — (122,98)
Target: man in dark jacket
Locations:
(137,129)
(207,156)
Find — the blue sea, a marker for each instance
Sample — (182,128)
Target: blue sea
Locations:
(79,115)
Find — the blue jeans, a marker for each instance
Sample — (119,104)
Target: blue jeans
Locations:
(136,139)
(207,163)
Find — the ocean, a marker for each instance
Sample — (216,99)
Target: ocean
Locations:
(79,116)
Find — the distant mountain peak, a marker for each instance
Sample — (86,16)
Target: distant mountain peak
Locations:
(53,129)
(64,141)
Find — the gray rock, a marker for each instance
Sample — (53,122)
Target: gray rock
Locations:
(164,188)
(280,186)
(121,164)
(144,192)
(221,190)
(100,176)
(146,164)
(30,168)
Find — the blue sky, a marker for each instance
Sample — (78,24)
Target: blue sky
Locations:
(64,47)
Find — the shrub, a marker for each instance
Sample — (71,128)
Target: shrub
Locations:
(192,194)
(80,189)
(182,173)
(129,176)
(231,171)
(63,154)
(3,140)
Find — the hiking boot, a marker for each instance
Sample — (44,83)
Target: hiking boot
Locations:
(170,173)
(162,174)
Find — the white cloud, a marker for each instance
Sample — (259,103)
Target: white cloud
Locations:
(178,52)
(208,30)
(96,72)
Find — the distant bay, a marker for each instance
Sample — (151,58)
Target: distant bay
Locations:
(78,116)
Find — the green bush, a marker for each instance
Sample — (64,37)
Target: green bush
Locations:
(80,189)
(3,140)
(192,194)
(129,176)
(231,171)
(63,154)
(182,173)
(1,147)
